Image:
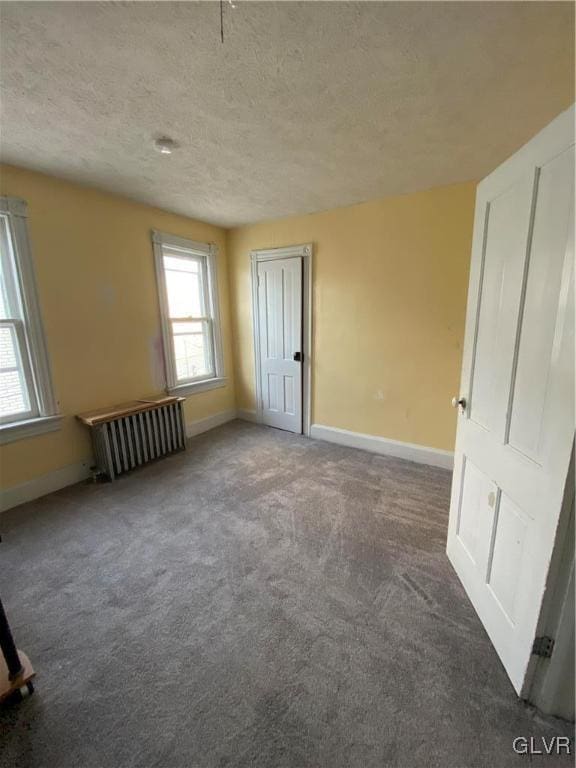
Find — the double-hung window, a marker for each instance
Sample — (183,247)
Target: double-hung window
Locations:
(188,294)
(27,404)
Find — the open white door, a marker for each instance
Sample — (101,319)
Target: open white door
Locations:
(516,421)
(280,342)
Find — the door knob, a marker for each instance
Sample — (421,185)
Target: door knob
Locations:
(297,356)
(459,402)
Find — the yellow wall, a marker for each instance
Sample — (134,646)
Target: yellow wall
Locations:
(95,272)
(390,281)
(390,284)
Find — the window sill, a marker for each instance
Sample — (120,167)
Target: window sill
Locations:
(193,387)
(19,430)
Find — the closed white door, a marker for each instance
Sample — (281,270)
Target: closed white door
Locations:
(516,426)
(280,323)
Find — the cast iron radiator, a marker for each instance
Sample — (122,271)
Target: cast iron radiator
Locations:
(128,435)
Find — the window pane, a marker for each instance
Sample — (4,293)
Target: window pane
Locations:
(182,264)
(183,285)
(192,350)
(13,399)
(13,392)
(8,357)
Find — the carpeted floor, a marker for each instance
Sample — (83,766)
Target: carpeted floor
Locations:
(261,600)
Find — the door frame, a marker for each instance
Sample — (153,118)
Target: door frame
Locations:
(546,678)
(303,252)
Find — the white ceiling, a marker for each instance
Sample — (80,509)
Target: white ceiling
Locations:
(306,106)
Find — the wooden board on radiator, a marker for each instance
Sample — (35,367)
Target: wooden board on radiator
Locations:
(91,418)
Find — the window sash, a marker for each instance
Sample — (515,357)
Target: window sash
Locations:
(206,332)
(205,319)
(24,370)
(201,261)
(203,254)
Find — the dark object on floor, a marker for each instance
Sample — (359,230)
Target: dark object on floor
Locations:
(260,600)
(16,671)
(8,646)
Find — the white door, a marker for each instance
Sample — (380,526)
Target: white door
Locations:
(280,324)
(516,426)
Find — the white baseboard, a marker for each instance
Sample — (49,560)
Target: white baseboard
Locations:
(75,473)
(421,454)
(204,425)
(44,484)
(246,415)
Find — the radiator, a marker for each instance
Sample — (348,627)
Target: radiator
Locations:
(145,431)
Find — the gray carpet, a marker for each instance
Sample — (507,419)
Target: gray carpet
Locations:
(261,600)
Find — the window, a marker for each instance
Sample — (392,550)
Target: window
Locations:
(187,286)
(27,404)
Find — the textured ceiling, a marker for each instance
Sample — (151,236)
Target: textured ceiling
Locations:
(306,106)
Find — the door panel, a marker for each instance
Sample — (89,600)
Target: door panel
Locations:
(289,399)
(508,545)
(515,436)
(475,513)
(542,289)
(504,248)
(272,392)
(280,322)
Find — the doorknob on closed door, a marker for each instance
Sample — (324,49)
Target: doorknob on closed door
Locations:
(298,356)
(459,402)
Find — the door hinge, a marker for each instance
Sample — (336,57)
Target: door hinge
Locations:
(543,647)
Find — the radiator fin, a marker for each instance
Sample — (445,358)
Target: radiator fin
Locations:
(130,441)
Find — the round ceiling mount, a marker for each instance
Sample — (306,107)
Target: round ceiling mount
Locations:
(165,145)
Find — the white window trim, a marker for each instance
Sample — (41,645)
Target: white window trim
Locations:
(48,419)
(210,252)
(18,430)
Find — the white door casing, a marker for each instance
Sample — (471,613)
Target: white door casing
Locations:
(516,430)
(304,254)
(280,339)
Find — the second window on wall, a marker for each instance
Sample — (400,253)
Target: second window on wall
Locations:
(27,403)
(187,284)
